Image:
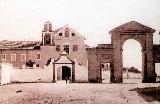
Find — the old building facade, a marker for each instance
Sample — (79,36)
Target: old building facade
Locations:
(53,43)
(64,46)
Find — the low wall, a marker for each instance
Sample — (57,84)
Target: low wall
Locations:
(132,75)
(44,75)
(31,75)
(10,74)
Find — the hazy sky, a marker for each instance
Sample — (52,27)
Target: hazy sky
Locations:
(23,19)
(132,54)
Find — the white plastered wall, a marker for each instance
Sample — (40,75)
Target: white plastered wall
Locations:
(33,75)
(5,73)
(81,73)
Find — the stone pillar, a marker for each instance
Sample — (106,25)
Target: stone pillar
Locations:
(112,77)
(53,73)
(73,72)
(51,39)
(117,59)
(149,61)
(43,38)
(99,72)
(1,56)
(144,68)
(149,69)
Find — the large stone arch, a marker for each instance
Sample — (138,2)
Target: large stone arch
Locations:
(144,35)
(140,39)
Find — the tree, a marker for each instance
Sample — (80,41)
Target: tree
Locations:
(30,63)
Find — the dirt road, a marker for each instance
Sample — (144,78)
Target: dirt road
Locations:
(74,93)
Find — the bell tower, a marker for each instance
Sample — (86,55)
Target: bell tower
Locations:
(47,34)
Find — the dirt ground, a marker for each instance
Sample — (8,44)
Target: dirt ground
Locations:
(73,93)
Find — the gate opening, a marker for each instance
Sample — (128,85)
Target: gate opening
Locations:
(132,61)
(66,72)
(105,70)
(157,69)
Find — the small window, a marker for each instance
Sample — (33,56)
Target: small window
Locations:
(38,56)
(13,57)
(3,58)
(23,57)
(67,33)
(102,65)
(47,39)
(58,48)
(66,48)
(73,34)
(75,48)
(47,27)
(60,34)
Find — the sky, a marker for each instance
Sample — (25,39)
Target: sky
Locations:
(24,19)
(130,56)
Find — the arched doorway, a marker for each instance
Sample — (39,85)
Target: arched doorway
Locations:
(132,61)
(144,35)
(63,67)
(62,71)
(66,72)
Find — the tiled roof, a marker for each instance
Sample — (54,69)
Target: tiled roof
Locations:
(105,46)
(57,30)
(5,44)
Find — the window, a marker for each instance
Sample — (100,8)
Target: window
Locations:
(66,33)
(73,34)
(60,34)
(47,27)
(23,57)
(13,57)
(102,65)
(75,48)
(66,48)
(47,39)
(58,48)
(3,58)
(38,56)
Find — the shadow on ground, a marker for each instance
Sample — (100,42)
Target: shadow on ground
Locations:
(149,93)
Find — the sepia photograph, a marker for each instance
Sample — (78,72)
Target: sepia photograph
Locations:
(79,51)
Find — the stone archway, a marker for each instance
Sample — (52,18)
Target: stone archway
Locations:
(144,35)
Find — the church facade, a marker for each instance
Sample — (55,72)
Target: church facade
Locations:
(53,43)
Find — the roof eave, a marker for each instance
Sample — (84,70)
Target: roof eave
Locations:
(122,28)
